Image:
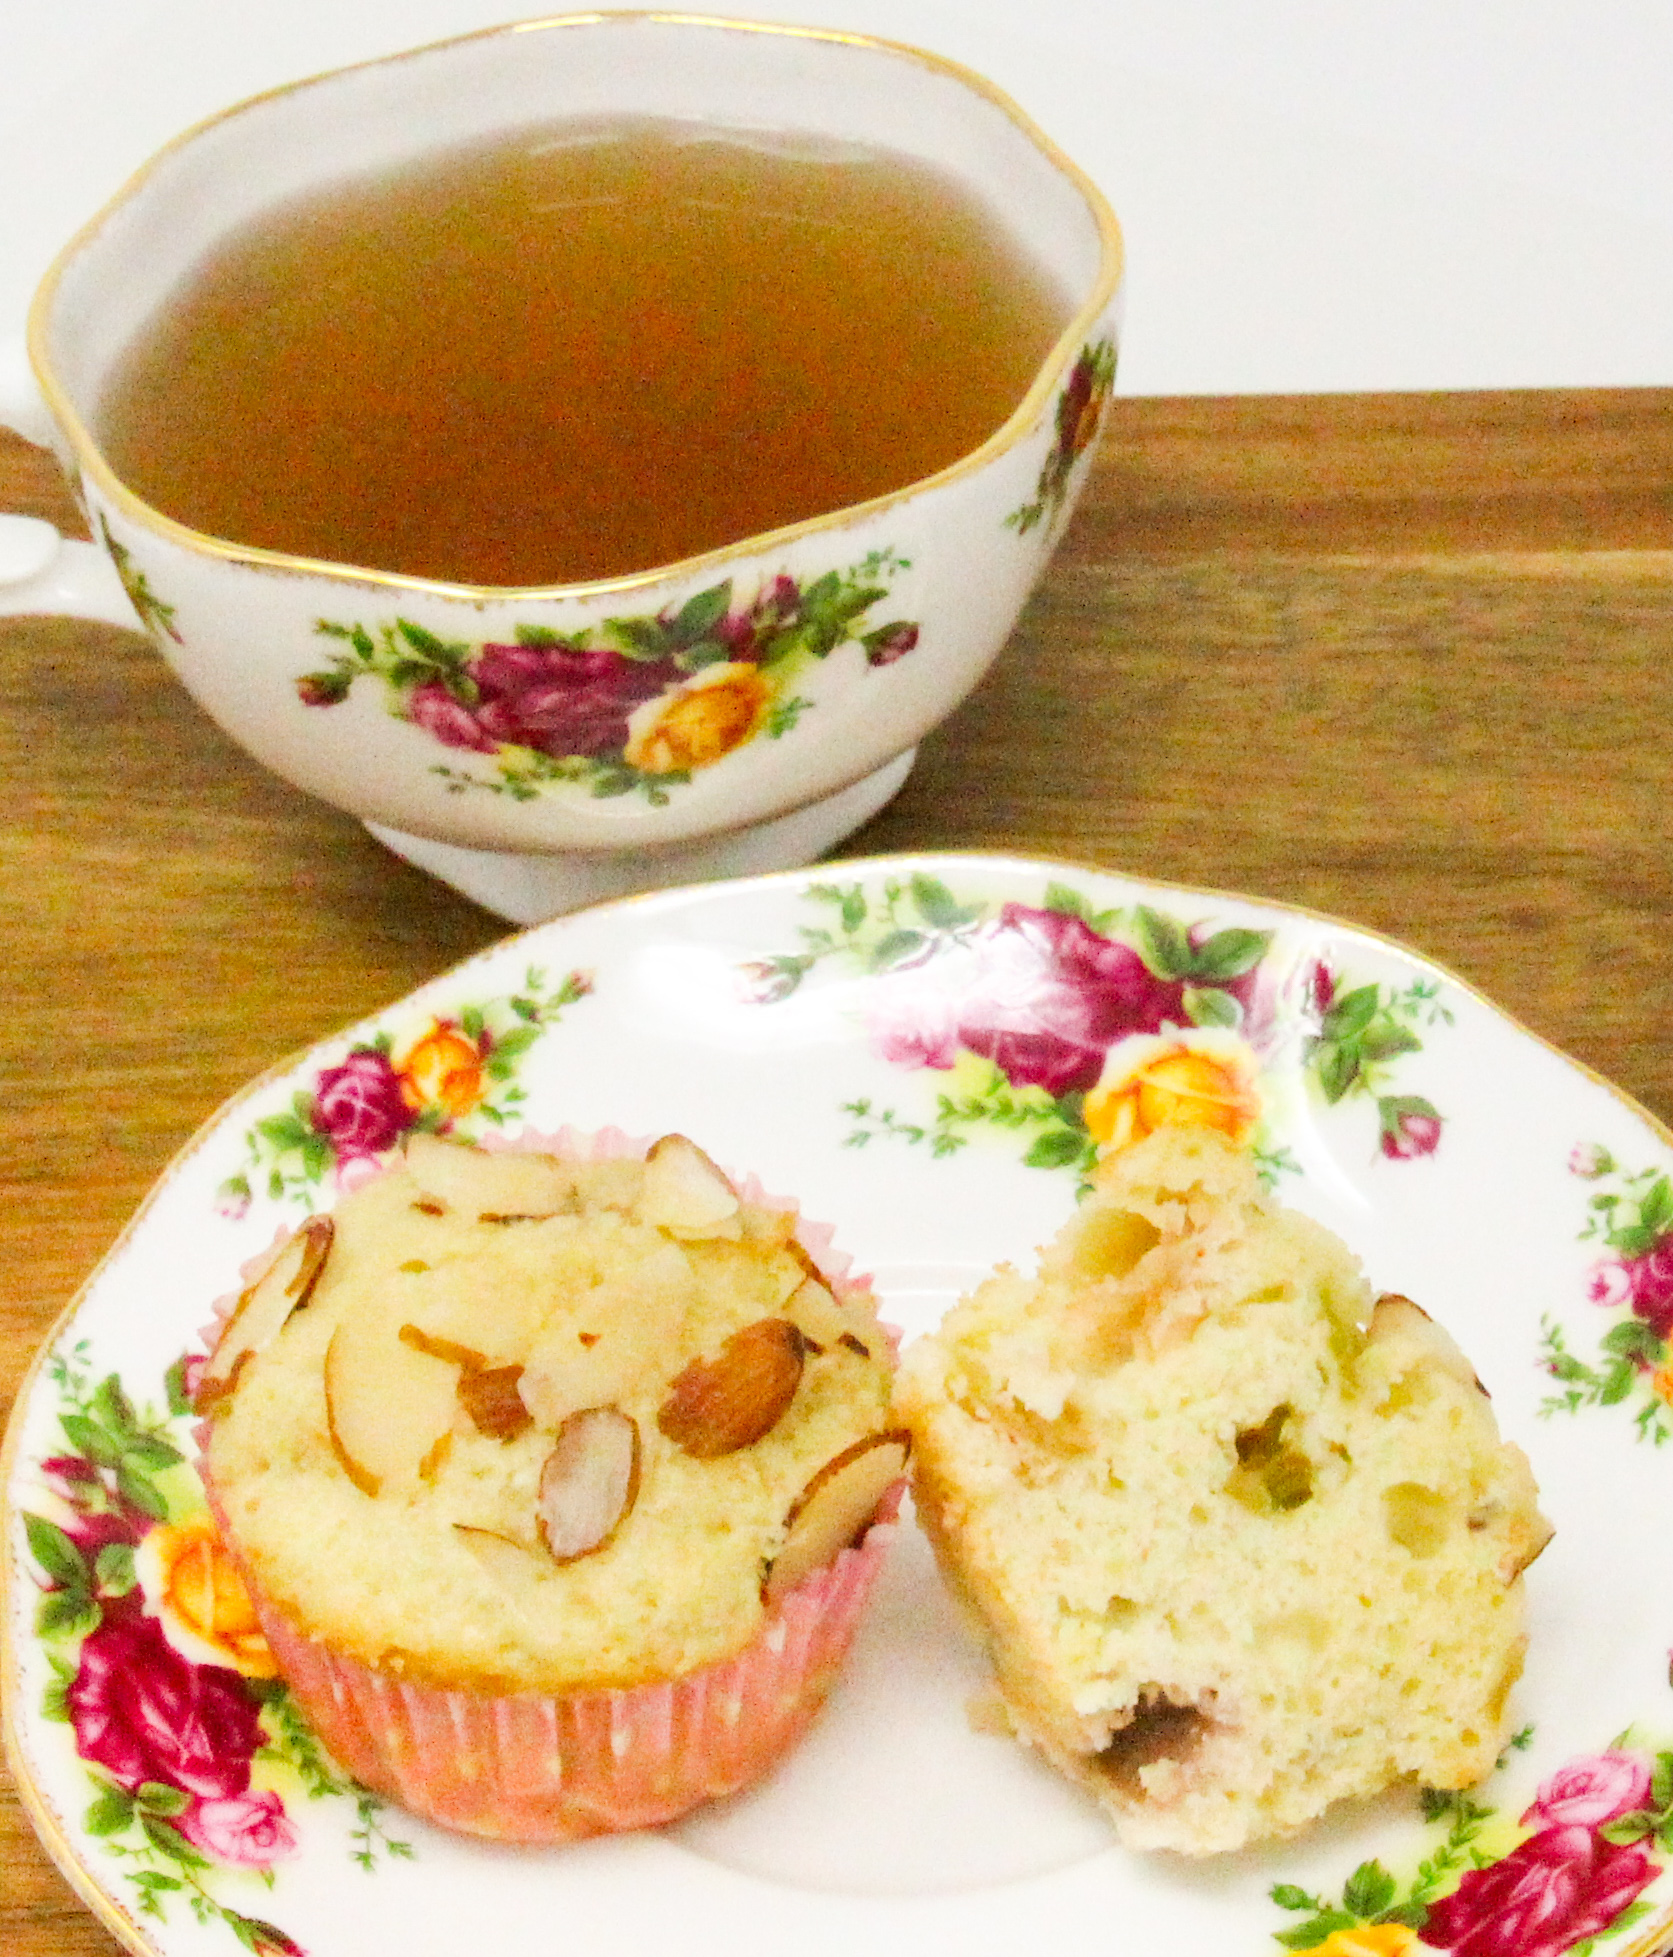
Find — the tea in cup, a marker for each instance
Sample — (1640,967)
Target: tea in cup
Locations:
(592,452)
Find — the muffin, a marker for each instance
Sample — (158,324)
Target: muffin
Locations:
(1241,1539)
(550,1472)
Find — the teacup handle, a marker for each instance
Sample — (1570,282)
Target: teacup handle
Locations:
(41,570)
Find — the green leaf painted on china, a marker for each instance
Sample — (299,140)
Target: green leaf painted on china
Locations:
(169,1841)
(1655,1206)
(114,1569)
(110,1813)
(139,1489)
(896,948)
(1309,1935)
(638,638)
(174,1380)
(1634,1339)
(699,615)
(1229,954)
(1069,903)
(112,1405)
(1207,1005)
(1351,1014)
(444,652)
(90,1440)
(56,1554)
(1385,1041)
(152,1452)
(66,1614)
(1162,943)
(1629,1827)
(1337,1067)
(1369,1890)
(1287,1896)
(1056,1149)
(938,906)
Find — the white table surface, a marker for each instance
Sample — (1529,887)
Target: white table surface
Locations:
(1317,194)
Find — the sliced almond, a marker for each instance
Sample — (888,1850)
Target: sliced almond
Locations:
(489,1395)
(1394,1317)
(685,1194)
(387,1404)
(813,1309)
(465,1309)
(773,1228)
(476,1183)
(589,1483)
(446,1349)
(721,1404)
(260,1314)
(514,1566)
(431,1465)
(835,1506)
(599,1351)
(613,1183)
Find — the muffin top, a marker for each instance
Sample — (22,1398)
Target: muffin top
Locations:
(513,1422)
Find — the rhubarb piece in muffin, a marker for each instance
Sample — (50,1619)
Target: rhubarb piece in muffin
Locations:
(1241,1539)
(551,1472)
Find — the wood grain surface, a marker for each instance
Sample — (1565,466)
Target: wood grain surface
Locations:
(1403,659)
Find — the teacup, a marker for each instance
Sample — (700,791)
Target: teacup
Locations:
(367,688)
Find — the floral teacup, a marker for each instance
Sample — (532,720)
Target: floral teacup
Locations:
(766,697)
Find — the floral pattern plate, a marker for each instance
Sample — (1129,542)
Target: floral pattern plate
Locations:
(927,1051)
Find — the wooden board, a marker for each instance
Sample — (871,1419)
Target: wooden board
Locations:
(1402,659)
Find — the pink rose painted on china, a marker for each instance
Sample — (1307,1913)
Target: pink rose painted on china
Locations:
(1630,1215)
(1592,1842)
(1586,1793)
(244,1830)
(1609,1283)
(1410,1127)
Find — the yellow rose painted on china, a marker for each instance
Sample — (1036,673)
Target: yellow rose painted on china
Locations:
(698,722)
(1202,1078)
(442,1070)
(1368,1940)
(195,1592)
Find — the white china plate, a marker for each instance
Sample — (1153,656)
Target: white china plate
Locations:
(863,1035)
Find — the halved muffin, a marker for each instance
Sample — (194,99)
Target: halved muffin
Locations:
(1241,1539)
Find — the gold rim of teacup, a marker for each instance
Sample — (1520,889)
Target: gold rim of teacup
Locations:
(1021,422)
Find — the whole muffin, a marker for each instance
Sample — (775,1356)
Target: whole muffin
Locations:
(1241,1539)
(543,1468)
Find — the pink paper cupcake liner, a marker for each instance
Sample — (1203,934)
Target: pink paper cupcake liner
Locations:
(545,1767)
(552,1767)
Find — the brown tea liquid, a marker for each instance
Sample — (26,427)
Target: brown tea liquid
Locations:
(578,352)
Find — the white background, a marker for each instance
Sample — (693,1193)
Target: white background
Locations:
(1317,194)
